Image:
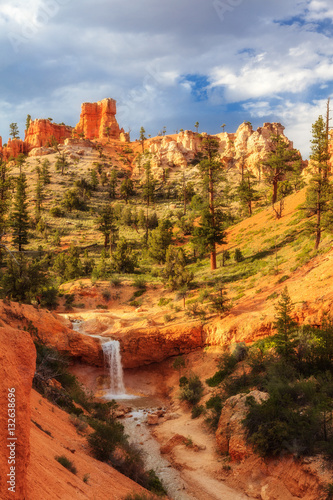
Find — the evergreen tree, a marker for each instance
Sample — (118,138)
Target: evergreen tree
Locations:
(94,179)
(20,161)
(175,274)
(148,192)
(20,218)
(210,165)
(319,194)
(62,163)
(142,139)
(113,182)
(106,224)
(5,195)
(246,192)
(13,130)
(285,339)
(126,189)
(39,196)
(207,234)
(27,122)
(45,172)
(124,260)
(159,240)
(280,161)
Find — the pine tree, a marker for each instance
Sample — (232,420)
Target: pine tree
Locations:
(319,194)
(142,139)
(159,240)
(106,224)
(285,326)
(113,182)
(27,122)
(124,260)
(246,192)
(126,189)
(5,196)
(14,132)
(45,173)
(175,275)
(20,218)
(210,165)
(279,162)
(62,163)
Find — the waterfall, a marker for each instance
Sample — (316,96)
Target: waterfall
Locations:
(112,357)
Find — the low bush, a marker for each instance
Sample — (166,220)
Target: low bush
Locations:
(65,462)
(192,391)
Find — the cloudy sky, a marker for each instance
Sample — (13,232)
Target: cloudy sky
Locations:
(168,63)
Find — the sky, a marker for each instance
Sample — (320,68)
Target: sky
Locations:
(168,64)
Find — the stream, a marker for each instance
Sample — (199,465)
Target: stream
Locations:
(197,485)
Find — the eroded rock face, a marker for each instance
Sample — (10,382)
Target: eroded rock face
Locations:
(49,329)
(41,132)
(230,434)
(17,368)
(98,120)
(142,346)
(265,478)
(245,146)
(13,148)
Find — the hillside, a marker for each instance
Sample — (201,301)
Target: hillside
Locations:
(80,280)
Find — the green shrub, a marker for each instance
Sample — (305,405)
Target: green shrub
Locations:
(214,405)
(226,365)
(192,391)
(79,423)
(183,381)
(105,438)
(238,256)
(197,411)
(65,462)
(57,212)
(115,281)
(140,283)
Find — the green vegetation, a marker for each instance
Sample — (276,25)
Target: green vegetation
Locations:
(191,390)
(65,462)
(294,367)
(108,433)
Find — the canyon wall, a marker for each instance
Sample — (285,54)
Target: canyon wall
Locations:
(245,148)
(17,368)
(41,132)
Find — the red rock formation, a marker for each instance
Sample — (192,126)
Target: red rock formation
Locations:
(40,133)
(252,145)
(14,148)
(142,346)
(17,368)
(269,479)
(98,120)
(230,434)
(52,331)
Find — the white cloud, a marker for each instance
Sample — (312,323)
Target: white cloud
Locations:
(140,52)
(296,117)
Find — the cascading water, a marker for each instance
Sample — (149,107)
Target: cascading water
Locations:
(112,358)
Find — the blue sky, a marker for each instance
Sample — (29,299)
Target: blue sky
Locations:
(168,63)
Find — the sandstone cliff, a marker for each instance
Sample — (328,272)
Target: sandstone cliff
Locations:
(245,148)
(49,329)
(41,132)
(98,120)
(13,148)
(269,479)
(142,346)
(17,368)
